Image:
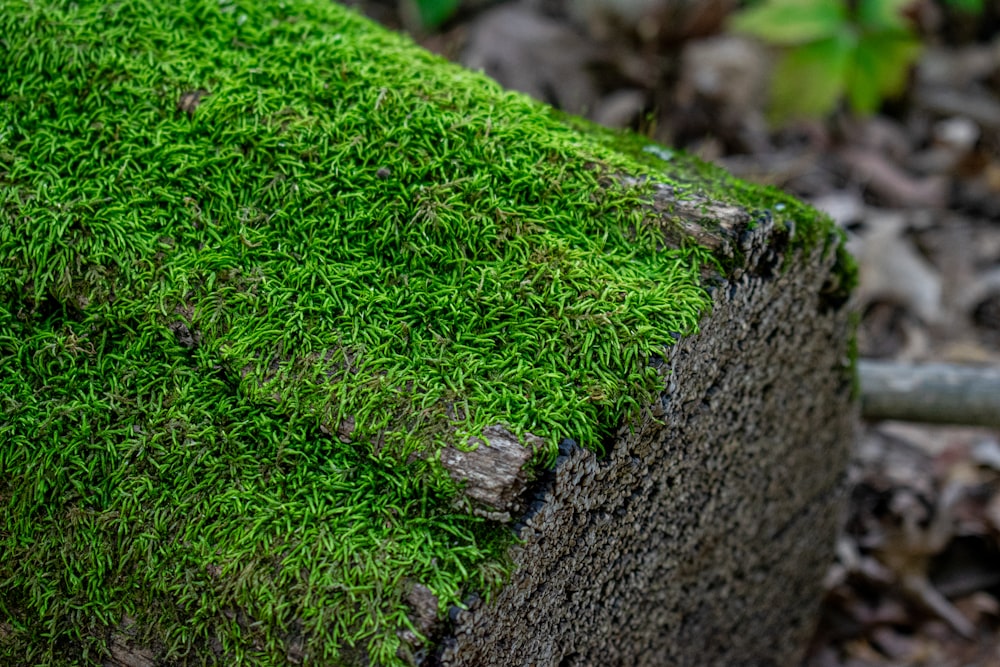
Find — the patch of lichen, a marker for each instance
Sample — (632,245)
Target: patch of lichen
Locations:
(259,262)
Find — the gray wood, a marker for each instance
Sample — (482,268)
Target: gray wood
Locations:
(933,393)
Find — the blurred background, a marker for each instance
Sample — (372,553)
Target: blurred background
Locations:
(886,115)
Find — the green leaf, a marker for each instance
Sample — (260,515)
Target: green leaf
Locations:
(862,82)
(968,6)
(879,69)
(790,22)
(883,14)
(810,79)
(435,12)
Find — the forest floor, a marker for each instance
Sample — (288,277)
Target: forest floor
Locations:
(915,577)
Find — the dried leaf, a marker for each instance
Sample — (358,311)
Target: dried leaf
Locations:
(892,269)
(526,51)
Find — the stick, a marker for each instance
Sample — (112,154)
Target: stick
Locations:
(935,393)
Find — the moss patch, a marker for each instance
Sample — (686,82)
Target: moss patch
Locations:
(259,262)
(806,226)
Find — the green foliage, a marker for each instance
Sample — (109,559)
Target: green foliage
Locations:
(433,13)
(967,6)
(834,49)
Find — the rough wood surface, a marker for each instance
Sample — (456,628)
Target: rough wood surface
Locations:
(494,473)
(702,537)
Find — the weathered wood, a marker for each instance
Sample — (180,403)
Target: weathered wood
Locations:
(495,472)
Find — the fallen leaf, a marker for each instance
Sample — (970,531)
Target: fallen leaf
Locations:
(526,51)
(893,185)
(891,268)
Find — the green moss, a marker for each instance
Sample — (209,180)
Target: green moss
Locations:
(230,229)
(806,226)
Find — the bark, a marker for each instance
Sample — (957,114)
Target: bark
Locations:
(494,473)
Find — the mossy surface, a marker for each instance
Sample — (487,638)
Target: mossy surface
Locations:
(806,226)
(259,262)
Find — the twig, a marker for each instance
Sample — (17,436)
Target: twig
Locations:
(935,393)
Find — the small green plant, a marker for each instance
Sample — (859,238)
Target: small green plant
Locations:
(432,14)
(967,6)
(835,49)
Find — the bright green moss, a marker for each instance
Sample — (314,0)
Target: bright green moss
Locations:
(808,227)
(228,229)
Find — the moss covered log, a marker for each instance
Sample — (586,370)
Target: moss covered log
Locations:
(302,328)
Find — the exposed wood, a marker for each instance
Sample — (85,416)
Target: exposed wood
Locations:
(493,472)
(124,655)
